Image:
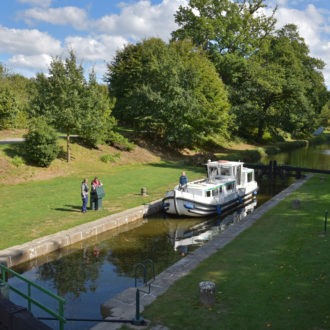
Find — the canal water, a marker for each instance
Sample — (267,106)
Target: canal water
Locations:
(90,272)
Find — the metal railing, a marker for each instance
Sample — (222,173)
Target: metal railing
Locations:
(59,316)
(138,319)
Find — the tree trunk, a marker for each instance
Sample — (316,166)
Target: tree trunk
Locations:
(68,146)
(261,127)
(262,121)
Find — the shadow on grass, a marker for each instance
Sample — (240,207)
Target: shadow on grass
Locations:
(70,208)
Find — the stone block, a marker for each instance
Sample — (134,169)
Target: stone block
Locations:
(295,204)
(207,293)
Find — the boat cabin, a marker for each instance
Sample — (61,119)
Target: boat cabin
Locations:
(222,169)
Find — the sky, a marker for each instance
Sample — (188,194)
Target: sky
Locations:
(32,32)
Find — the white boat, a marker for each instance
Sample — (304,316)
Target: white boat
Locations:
(228,185)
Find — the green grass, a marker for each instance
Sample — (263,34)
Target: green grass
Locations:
(37,208)
(107,158)
(274,275)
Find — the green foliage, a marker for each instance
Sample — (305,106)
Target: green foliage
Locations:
(320,139)
(272,81)
(9,109)
(97,121)
(41,143)
(15,91)
(110,158)
(281,89)
(17,161)
(324,118)
(224,26)
(172,92)
(118,141)
(71,103)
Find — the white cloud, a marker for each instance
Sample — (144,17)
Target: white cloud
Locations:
(39,3)
(136,21)
(36,62)
(61,16)
(27,42)
(95,48)
(142,20)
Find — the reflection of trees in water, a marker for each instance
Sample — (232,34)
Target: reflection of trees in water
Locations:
(75,273)
(149,241)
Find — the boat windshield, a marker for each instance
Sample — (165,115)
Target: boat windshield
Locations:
(225,171)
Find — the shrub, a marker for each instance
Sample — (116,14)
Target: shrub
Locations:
(110,158)
(17,161)
(41,143)
(118,141)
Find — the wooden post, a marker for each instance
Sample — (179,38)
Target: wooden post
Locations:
(295,204)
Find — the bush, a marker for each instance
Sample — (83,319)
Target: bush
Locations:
(110,158)
(17,161)
(41,143)
(118,141)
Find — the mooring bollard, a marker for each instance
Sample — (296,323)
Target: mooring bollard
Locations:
(207,293)
(4,290)
(295,204)
(144,191)
(325,221)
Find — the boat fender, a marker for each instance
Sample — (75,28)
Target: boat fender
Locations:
(255,193)
(240,199)
(189,206)
(219,209)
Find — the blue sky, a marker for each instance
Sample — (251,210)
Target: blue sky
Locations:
(33,31)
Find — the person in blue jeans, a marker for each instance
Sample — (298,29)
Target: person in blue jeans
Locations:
(84,195)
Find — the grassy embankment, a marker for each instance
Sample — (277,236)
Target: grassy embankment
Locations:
(274,275)
(37,208)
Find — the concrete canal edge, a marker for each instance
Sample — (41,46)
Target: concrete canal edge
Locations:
(122,306)
(21,253)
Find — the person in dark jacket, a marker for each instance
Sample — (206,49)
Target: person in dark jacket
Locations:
(183,179)
(84,195)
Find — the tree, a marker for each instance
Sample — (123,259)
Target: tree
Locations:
(272,81)
(324,118)
(171,91)
(281,88)
(224,26)
(15,91)
(41,143)
(69,102)
(9,109)
(98,122)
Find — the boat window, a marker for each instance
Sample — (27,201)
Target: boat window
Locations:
(208,194)
(215,192)
(220,190)
(225,171)
(230,186)
(250,176)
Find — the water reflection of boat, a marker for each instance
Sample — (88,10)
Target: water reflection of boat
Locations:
(228,185)
(182,237)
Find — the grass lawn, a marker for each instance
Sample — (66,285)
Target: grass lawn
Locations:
(37,208)
(274,275)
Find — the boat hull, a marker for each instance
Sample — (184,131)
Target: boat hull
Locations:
(179,204)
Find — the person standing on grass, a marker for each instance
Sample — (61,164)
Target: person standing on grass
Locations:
(84,195)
